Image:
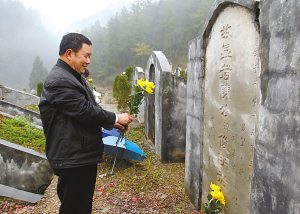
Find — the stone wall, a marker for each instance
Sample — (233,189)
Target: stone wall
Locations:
(243,107)
(276,170)
(18,97)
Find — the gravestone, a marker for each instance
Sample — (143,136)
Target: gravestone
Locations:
(177,71)
(157,69)
(232,70)
(165,116)
(243,107)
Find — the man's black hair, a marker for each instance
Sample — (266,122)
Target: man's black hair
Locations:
(73,41)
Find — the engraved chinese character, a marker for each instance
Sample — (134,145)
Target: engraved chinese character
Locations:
(223,141)
(226,127)
(255,68)
(233,138)
(225,71)
(233,153)
(221,178)
(242,141)
(236,186)
(243,127)
(225,32)
(224,110)
(234,126)
(251,163)
(241,172)
(255,80)
(223,160)
(236,201)
(226,53)
(256,52)
(225,89)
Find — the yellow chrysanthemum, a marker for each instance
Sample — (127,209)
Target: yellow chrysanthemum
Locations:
(217,193)
(149,90)
(141,82)
(150,84)
(214,187)
(146,81)
(91,80)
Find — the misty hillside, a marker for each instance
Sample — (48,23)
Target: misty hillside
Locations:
(23,37)
(119,40)
(102,16)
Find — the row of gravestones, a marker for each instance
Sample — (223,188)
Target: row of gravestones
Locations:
(235,121)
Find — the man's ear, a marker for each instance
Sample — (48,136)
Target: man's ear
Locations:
(69,54)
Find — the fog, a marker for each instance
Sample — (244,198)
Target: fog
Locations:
(27,32)
(123,34)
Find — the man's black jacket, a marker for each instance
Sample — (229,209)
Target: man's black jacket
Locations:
(71,119)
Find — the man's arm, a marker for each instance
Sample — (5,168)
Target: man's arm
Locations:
(69,98)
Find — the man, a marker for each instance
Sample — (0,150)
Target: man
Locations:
(72,124)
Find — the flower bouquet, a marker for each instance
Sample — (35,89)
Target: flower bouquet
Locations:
(141,90)
(215,198)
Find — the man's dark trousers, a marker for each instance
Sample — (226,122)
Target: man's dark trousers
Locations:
(75,189)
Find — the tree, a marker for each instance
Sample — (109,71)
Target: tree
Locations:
(142,50)
(38,73)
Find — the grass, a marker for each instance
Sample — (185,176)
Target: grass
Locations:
(32,108)
(19,130)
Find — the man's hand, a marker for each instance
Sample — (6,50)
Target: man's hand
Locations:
(119,126)
(124,119)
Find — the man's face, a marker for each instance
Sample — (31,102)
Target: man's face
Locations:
(81,59)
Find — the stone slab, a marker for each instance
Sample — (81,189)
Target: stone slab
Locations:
(232,70)
(19,194)
(24,168)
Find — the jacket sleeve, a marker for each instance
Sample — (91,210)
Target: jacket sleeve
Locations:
(69,98)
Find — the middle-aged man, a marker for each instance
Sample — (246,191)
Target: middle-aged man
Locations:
(72,124)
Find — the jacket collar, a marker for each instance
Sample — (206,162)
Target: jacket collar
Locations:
(68,68)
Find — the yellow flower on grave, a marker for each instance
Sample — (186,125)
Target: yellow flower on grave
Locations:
(141,82)
(91,80)
(150,84)
(149,90)
(214,187)
(146,82)
(218,195)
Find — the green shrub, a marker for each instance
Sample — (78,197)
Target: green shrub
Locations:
(39,89)
(183,74)
(122,88)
